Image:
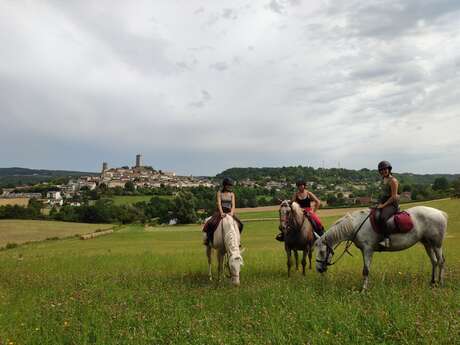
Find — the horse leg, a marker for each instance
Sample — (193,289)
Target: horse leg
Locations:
(296,256)
(441,260)
(209,255)
(304,260)
(367,259)
(434,262)
(289,260)
(220,265)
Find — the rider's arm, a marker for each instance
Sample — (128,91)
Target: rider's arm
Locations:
(294,197)
(219,204)
(232,212)
(316,200)
(394,192)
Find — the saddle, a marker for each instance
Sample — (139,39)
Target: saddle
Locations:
(399,223)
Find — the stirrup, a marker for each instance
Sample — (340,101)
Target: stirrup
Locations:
(386,242)
(280,237)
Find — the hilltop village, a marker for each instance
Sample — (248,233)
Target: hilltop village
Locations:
(254,186)
(136,177)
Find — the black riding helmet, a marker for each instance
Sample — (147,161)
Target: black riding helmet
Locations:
(227,182)
(301,182)
(385,165)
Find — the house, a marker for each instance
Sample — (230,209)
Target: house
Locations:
(116,183)
(54,195)
(363,200)
(405,196)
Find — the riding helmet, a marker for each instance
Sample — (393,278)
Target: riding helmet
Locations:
(301,182)
(227,182)
(385,165)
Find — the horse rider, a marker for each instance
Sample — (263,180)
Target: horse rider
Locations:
(225,201)
(389,200)
(305,198)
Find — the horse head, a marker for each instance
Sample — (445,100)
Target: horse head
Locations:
(231,236)
(284,214)
(324,254)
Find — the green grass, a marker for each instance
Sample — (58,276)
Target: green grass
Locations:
(150,287)
(132,199)
(258,215)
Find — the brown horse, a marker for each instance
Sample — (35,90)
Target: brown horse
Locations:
(298,234)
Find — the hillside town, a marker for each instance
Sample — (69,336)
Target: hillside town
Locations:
(139,176)
(254,186)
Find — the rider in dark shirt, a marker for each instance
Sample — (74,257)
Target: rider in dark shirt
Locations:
(305,198)
(389,200)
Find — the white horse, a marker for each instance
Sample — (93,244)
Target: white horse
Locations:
(226,241)
(298,234)
(430,226)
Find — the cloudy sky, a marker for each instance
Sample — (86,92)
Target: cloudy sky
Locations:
(201,86)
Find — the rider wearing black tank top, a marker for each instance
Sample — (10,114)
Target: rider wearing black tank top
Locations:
(304,203)
(304,198)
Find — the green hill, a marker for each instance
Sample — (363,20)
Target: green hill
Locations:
(19,176)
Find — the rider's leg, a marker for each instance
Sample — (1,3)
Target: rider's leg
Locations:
(385,214)
(205,238)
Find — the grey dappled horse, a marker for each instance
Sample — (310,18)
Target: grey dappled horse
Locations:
(226,240)
(430,226)
(298,234)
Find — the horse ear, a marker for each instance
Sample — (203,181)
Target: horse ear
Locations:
(279,200)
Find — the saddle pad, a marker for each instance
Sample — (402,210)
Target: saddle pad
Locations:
(402,221)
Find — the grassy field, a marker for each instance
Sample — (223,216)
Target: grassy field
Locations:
(132,199)
(14,201)
(21,231)
(150,287)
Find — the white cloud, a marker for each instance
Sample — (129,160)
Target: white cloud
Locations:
(261,83)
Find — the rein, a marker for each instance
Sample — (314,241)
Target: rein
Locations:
(347,245)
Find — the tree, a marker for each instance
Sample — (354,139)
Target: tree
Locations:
(440,183)
(184,208)
(331,199)
(407,188)
(456,186)
(130,187)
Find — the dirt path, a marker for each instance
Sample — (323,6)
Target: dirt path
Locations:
(328,211)
(322,212)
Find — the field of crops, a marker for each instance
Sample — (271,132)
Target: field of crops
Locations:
(14,201)
(141,286)
(21,231)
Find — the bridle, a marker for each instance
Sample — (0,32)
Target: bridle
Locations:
(284,218)
(330,250)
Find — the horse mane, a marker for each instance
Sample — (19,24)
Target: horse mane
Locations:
(341,228)
(298,213)
(230,238)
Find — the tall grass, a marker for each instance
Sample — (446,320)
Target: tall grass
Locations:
(150,287)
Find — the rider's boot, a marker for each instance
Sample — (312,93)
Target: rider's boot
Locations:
(386,242)
(280,237)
